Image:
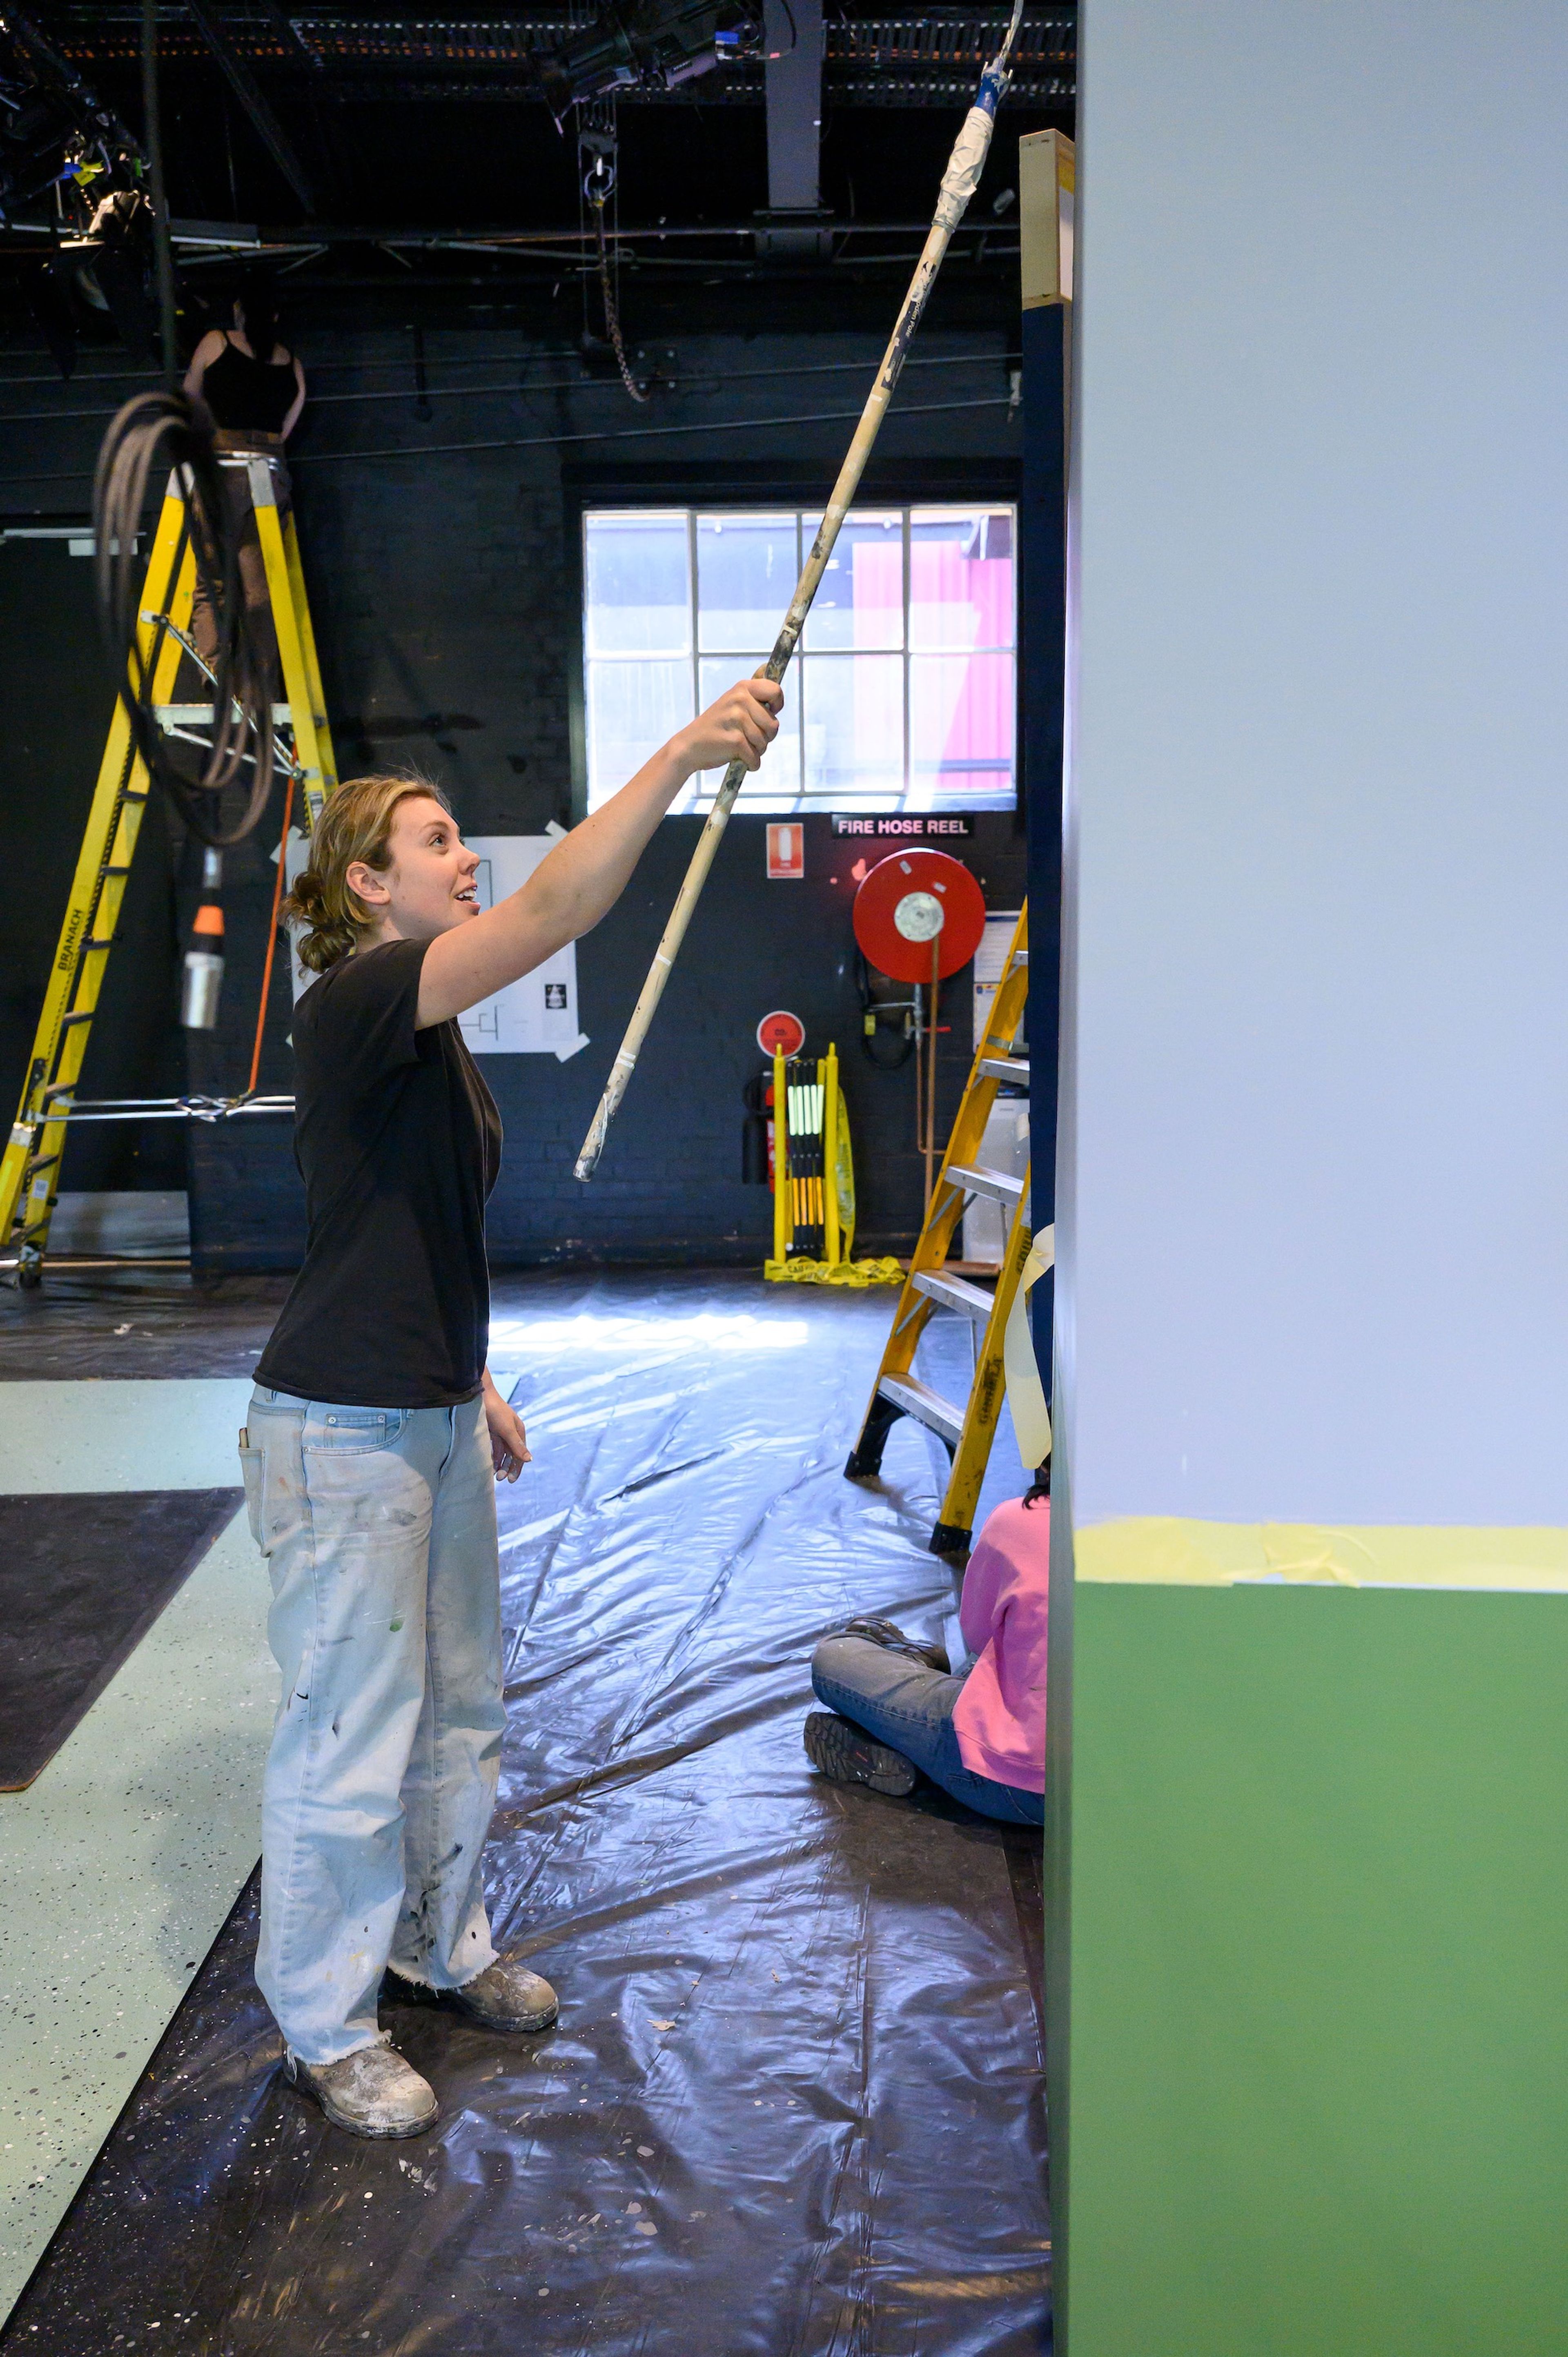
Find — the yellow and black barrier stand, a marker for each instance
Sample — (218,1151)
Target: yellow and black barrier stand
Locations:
(792,1211)
(783,1213)
(833,1245)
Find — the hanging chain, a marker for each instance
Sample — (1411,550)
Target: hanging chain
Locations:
(599,183)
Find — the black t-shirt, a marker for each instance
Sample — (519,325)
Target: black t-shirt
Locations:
(248,396)
(399,1143)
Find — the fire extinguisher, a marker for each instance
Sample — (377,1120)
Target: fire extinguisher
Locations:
(756,1136)
(204,958)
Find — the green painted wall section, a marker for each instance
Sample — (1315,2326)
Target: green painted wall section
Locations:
(1318,1940)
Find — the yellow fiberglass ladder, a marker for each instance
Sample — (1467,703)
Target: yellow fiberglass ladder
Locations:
(31,1164)
(967,1430)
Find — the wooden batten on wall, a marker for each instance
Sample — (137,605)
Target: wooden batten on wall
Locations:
(1047,182)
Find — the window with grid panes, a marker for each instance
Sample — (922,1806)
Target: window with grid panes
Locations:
(901,696)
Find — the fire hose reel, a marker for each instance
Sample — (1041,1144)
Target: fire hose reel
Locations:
(918,915)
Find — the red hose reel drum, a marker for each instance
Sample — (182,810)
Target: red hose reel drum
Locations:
(911,897)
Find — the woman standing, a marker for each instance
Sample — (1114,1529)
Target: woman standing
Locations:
(374,1429)
(250,383)
(252,387)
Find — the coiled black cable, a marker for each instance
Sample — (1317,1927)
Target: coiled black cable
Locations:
(161,429)
(870,1004)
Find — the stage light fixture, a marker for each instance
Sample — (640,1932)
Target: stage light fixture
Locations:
(649,45)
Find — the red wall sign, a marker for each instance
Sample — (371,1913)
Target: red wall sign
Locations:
(780,1033)
(785,851)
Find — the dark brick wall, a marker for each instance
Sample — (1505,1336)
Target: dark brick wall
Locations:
(668,1185)
(446,603)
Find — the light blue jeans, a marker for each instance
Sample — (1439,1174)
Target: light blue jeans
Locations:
(379,1525)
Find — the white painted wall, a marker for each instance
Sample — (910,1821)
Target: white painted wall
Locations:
(1313,1230)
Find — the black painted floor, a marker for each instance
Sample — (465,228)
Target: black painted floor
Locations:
(795,2103)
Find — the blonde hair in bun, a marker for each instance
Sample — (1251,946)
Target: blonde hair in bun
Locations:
(356,824)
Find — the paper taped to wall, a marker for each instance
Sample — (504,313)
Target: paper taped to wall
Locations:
(990,964)
(537,1016)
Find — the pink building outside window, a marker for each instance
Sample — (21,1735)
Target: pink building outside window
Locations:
(902,694)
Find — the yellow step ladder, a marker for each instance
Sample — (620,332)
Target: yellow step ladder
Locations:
(31,1164)
(967,1429)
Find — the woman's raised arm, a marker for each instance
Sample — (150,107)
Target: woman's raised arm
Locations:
(201,360)
(297,404)
(584,876)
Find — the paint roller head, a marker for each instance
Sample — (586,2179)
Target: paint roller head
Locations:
(594,1144)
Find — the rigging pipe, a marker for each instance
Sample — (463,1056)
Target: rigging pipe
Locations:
(252,97)
(958,183)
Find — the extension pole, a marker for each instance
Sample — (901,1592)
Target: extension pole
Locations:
(929,1140)
(958,183)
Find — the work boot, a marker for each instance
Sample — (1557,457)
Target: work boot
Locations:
(893,1640)
(503,1997)
(372,2093)
(849,1756)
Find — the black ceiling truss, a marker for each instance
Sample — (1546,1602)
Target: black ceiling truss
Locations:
(930,58)
(237,72)
(374,150)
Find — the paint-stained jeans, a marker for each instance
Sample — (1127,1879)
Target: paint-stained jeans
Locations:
(380,1528)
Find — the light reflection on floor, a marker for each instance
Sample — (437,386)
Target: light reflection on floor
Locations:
(607,1331)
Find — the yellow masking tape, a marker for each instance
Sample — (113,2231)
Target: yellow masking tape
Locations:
(1166,1551)
(1025,1392)
(851,1272)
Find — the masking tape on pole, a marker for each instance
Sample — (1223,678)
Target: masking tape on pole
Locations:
(1025,1392)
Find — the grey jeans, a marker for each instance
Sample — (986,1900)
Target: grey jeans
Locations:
(379,1525)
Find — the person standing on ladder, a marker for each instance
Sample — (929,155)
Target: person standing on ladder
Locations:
(251,388)
(374,1428)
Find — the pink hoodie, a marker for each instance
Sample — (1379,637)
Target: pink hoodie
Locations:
(1000,1717)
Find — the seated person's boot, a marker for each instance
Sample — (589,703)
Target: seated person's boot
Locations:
(893,1640)
(844,1752)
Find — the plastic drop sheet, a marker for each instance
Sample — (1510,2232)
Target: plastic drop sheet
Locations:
(794,2105)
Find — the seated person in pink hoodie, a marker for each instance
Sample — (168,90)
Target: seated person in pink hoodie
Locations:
(894,1707)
